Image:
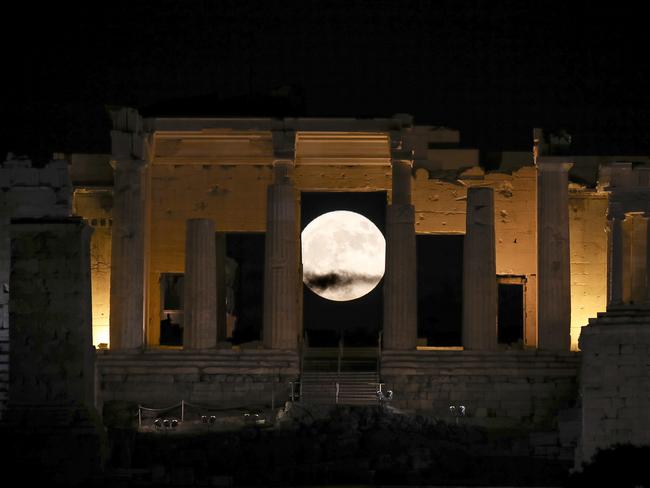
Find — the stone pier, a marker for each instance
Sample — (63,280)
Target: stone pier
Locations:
(200,286)
(553,264)
(400,278)
(479,272)
(281,280)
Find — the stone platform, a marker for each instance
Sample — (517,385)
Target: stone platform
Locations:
(495,387)
(219,377)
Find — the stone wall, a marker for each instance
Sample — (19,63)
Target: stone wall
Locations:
(496,388)
(615,381)
(51,423)
(52,358)
(25,192)
(223,378)
(587,221)
(35,192)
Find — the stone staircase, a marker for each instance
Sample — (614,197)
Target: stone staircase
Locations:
(354,388)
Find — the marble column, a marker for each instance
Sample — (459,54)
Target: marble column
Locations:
(479,272)
(615,258)
(200,286)
(220,263)
(638,233)
(400,278)
(647,257)
(127,255)
(553,259)
(281,280)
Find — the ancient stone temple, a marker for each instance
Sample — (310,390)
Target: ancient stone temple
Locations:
(200,291)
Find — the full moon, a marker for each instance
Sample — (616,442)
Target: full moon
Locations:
(343,255)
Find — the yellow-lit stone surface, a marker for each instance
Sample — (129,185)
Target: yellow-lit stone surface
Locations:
(223,174)
(95,206)
(587,224)
(440,209)
(233,196)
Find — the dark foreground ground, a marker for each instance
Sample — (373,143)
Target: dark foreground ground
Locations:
(325,446)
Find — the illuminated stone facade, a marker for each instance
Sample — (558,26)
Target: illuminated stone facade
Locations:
(221,169)
(170,184)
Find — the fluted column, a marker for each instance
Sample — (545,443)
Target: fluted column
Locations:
(647,257)
(553,264)
(637,236)
(281,280)
(200,286)
(615,259)
(479,272)
(220,264)
(400,279)
(127,255)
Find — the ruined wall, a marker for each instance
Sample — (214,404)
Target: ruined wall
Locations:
(587,224)
(225,377)
(95,206)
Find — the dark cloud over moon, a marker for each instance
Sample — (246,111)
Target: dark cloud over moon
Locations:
(335,280)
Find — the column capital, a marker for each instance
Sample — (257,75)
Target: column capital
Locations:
(401,149)
(283,162)
(282,171)
(554,163)
(284,145)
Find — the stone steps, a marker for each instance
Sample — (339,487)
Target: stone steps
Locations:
(354,388)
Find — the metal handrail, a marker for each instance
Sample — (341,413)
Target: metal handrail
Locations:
(379,337)
(339,356)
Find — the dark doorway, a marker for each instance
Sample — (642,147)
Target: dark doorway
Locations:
(245,285)
(357,321)
(171,301)
(511,313)
(440,289)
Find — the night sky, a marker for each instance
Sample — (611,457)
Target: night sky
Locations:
(493,70)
